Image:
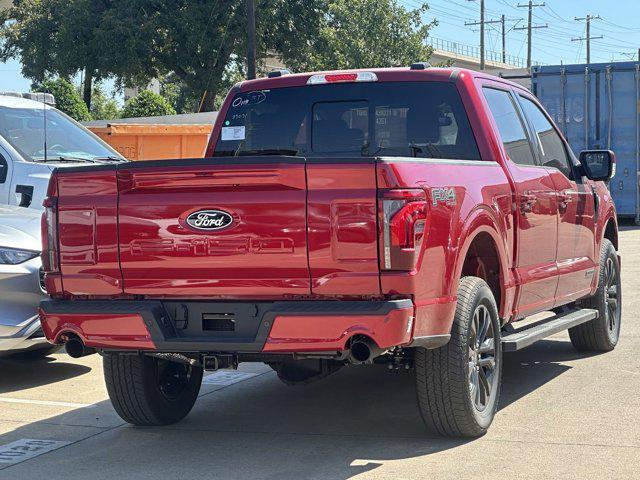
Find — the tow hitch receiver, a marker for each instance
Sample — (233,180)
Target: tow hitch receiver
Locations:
(211,363)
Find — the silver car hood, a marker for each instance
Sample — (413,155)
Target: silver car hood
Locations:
(20,228)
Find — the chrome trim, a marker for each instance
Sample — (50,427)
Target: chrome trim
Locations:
(441,161)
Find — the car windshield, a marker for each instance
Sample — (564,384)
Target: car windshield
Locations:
(416,119)
(26,130)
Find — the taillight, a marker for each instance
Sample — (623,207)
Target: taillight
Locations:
(50,262)
(403,221)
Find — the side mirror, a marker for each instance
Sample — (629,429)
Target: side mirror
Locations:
(4,169)
(598,165)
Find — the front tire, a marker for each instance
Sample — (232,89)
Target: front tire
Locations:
(458,385)
(601,334)
(148,391)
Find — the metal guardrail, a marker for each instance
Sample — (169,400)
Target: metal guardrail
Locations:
(474,52)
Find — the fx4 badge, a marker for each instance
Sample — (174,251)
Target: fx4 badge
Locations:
(446,195)
(209,220)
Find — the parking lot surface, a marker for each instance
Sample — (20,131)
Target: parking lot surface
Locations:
(562,415)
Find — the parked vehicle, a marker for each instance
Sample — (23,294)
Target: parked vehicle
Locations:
(21,282)
(35,138)
(596,106)
(407,216)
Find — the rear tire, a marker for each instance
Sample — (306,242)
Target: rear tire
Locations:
(148,391)
(458,385)
(601,334)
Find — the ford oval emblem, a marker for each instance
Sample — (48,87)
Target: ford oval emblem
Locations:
(209,220)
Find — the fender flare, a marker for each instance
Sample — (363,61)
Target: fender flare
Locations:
(483,220)
(610,216)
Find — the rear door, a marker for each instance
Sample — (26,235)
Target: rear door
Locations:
(221,227)
(535,209)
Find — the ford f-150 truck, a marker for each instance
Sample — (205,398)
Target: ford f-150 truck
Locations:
(407,216)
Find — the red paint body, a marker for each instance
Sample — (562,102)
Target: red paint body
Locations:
(312,231)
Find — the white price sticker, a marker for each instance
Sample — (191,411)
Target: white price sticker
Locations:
(232,133)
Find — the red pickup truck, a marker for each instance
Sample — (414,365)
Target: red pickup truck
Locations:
(406,216)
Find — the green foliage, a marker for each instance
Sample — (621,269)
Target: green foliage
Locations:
(201,44)
(62,37)
(179,95)
(365,34)
(67,98)
(147,104)
(102,106)
(197,40)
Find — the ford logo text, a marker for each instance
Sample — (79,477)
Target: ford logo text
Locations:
(209,220)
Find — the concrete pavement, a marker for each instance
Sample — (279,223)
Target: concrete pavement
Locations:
(562,415)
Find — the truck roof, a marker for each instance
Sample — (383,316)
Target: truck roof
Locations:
(383,74)
(9,101)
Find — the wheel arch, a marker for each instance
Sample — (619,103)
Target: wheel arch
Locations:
(610,231)
(482,252)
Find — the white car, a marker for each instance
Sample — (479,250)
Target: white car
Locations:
(34,138)
(21,286)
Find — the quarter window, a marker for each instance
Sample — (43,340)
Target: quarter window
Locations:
(510,126)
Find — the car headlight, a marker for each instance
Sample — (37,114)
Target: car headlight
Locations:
(14,256)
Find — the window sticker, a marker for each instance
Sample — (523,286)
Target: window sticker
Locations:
(233,133)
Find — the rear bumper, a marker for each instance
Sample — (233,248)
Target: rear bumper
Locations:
(264,327)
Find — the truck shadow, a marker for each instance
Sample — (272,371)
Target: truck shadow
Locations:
(345,425)
(18,373)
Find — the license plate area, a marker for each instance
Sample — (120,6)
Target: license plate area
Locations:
(218,322)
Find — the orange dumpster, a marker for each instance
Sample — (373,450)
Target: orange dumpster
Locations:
(154,141)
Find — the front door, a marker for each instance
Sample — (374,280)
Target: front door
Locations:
(535,209)
(576,255)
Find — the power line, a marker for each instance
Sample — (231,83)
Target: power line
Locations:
(482,24)
(530,27)
(587,36)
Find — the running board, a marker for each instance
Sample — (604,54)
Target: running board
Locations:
(530,334)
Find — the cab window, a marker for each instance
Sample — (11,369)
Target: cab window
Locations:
(549,143)
(510,126)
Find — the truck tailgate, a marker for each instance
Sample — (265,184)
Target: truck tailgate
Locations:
(342,222)
(175,241)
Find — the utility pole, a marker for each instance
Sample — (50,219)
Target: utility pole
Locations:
(530,26)
(504,41)
(482,23)
(251,39)
(588,36)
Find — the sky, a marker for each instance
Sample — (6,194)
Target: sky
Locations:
(551,45)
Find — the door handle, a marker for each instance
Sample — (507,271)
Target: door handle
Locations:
(527,201)
(564,199)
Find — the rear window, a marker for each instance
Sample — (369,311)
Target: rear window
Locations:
(415,119)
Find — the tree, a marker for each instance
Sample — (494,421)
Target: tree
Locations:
(103,107)
(201,41)
(67,98)
(197,40)
(366,34)
(147,104)
(64,37)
